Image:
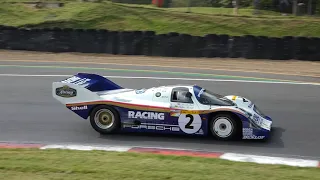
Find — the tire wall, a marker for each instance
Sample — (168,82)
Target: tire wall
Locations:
(168,45)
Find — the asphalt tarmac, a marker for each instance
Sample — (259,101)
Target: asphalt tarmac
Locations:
(30,114)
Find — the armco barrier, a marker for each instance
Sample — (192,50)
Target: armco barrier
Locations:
(149,44)
(143,45)
(307,48)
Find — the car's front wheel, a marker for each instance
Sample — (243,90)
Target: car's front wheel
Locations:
(224,126)
(104,119)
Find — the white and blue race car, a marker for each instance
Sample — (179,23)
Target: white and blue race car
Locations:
(174,109)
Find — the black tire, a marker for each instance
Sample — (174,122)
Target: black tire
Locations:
(227,125)
(97,123)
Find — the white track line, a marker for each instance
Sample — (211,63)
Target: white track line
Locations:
(167,78)
(269,160)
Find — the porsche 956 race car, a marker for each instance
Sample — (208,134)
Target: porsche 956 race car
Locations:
(175,109)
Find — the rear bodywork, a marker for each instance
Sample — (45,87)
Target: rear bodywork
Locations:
(154,110)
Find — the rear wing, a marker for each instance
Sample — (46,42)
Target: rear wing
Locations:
(82,87)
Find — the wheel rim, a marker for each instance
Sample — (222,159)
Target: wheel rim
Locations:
(104,118)
(222,127)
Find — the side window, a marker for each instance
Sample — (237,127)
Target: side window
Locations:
(180,96)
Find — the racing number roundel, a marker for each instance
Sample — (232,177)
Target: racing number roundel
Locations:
(190,123)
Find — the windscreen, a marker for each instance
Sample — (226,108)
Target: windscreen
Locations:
(209,98)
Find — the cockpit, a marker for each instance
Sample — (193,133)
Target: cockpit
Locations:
(181,96)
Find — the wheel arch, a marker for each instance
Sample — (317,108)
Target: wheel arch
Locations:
(234,115)
(109,106)
(92,108)
(114,111)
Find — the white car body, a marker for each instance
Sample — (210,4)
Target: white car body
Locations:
(155,109)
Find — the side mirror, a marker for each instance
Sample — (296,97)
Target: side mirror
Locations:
(188,95)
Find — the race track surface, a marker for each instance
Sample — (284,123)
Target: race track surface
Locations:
(30,114)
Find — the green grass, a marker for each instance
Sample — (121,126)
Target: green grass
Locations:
(66,164)
(243,12)
(15,1)
(211,10)
(115,16)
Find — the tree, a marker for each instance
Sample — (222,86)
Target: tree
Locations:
(236,4)
(294,7)
(309,7)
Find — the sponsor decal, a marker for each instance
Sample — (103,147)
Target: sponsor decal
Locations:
(158,94)
(75,108)
(247,131)
(253,137)
(77,81)
(184,106)
(248,134)
(158,127)
(122,100)
(140,91)
(190,111)
(175,112)
(234,98)
(145,115)
(66,92)
(256,119)
(259,122)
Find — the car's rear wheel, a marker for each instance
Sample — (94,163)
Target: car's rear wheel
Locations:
(104,119)
(224,126)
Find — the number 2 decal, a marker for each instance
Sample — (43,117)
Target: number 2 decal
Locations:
(190,123)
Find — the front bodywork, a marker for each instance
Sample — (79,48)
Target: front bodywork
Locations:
(150,110)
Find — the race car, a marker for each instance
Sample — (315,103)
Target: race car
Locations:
(174,109)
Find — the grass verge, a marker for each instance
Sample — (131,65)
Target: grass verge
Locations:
(33,164)
(115,16)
